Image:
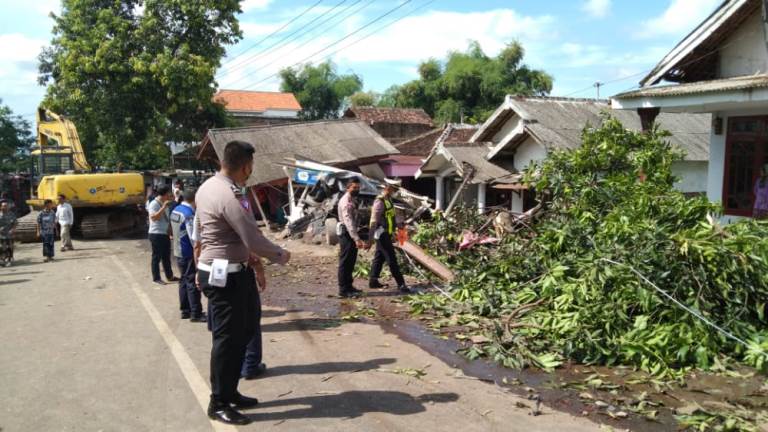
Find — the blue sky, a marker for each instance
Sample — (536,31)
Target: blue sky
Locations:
(578,42)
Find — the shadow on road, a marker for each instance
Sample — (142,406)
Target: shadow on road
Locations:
(13,273)
(14,281)
(350,404)
(328,367)
(301,324)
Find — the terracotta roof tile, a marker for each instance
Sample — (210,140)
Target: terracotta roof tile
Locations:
(256,101)
(390,115)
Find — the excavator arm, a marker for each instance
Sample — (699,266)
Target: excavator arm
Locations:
(57,135)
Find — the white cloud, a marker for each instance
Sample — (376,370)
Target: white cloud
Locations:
(597,8)
(16,47)
(678,19)
(407,43)
(434,34)
(254,30)
(249,5)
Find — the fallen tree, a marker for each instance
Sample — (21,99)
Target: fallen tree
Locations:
(617,268)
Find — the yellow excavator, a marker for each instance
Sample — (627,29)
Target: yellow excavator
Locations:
(104,204)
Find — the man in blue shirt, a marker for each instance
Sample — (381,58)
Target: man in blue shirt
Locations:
(182,222)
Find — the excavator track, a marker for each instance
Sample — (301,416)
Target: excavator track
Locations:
(26,227)
(107,224)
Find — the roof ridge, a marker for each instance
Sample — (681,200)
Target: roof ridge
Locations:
(557,98)
(253,91)
(418,137)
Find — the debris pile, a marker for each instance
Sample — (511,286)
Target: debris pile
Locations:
(615,267)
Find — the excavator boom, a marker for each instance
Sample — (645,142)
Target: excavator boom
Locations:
(57,136)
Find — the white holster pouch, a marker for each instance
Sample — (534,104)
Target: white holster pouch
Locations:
(339,228)
(377,234)
(218,275)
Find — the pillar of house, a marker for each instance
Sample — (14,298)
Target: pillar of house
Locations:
(439,192)
(647,117)
(480,197)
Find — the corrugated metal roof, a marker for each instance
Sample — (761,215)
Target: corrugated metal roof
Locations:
(390,115)
(474,155)
(557,123)
(256,101)
(700,87)
(329,142)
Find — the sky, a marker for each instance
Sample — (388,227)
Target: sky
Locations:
(578,42)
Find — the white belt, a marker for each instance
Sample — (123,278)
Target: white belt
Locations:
(231,268)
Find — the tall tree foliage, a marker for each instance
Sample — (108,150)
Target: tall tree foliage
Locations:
(134,74)
(16,138)
(469,83)
(320,90)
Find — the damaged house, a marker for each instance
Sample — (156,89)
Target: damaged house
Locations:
(415,150)
(523,130)
(346,144)
(393,124)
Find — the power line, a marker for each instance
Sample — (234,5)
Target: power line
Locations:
(269,48)
(308,31)
(377,19)
(645,72)
(273,33)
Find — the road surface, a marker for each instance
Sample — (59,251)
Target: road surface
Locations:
(90,344)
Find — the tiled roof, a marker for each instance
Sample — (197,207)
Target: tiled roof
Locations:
(422,144)
(374,115)
(256,101)
(419,145)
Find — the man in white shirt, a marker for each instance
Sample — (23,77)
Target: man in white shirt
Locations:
(65,217)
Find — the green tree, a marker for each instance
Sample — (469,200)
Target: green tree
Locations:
(16,139)
(362,99)
(135,74)
(319,89)
(469,84)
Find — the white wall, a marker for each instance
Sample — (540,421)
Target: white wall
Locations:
(744,52)
(692,176)
(507,130)
(281,113)
(529,151)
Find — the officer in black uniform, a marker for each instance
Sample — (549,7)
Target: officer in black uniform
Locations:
(228,269)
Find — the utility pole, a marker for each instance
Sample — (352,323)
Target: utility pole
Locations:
(597,85)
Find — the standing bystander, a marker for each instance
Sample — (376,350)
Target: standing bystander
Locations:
(230,242)
(182,218)
(159,227)
(46,229)
(65,217)
(760,208)
(7,231)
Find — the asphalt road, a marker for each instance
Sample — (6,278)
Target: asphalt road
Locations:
(89,344)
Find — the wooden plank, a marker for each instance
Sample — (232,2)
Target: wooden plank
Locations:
(427,261)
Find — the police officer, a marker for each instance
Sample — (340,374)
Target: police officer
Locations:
(182,218)
(382,229)
(231,244)
(349,239)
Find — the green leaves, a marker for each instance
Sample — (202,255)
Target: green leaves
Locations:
(469,83)
(133,79)
(16,139)
(319,89)
(612,198)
